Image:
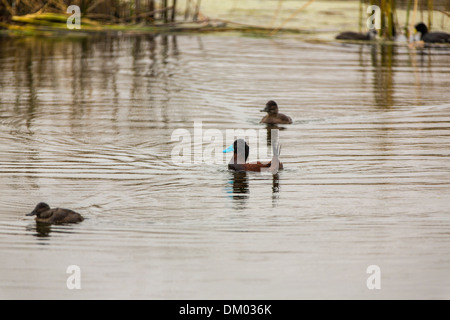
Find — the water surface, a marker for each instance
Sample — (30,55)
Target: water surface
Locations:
(86,124)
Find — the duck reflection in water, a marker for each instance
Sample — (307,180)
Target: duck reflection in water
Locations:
(240,188)
(272,133)
(239,181)
(43,230)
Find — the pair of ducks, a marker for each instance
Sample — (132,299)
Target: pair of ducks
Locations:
(425,36)
(241,151)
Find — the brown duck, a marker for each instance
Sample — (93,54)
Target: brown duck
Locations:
(273,117)
(45,214)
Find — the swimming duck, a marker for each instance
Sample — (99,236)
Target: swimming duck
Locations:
(431,37)
(273,117)
(241,151)
(44,213)
(350,35)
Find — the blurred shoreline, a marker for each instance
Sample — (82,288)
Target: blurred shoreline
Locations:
(316,20)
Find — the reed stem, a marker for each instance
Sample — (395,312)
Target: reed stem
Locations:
(411,24)
(407,31)
(430,14)
(197,9)
(174,9)
(187,10)
(277,12)
(292,16)
(164,14)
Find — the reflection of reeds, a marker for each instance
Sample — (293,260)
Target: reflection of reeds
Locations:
(383,62)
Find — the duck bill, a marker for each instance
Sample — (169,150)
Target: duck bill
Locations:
(229,149)
(31,214)
(266,109)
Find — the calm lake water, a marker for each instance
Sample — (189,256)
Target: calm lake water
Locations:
(86,124)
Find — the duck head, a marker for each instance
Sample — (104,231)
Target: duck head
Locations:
(40,208)
(271,107)
(422,28)
(241,151)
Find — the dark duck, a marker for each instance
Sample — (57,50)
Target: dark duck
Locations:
(431,37)
(350,35)
(241,151)
(273,116)
(45,214)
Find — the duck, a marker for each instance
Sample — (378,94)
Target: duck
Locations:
(350,35)
(431,37)
(273,117)
(45,214)
(241,151)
